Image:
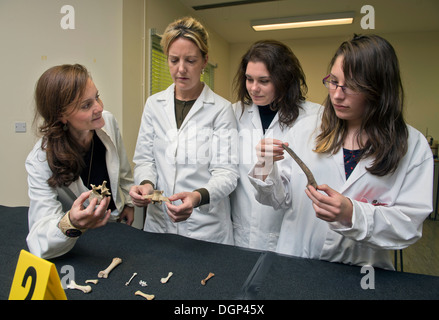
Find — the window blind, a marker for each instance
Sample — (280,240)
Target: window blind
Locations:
(160,77)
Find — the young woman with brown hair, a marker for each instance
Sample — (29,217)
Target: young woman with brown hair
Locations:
(374,171)
(81,145)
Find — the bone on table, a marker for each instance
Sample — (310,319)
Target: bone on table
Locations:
(203,282)
(128,282)
(73,285)
(302,165)
(146,296)
(106,272)
(143,283)
(164,280)
(94,281)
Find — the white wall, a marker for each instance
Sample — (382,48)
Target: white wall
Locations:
(32,40)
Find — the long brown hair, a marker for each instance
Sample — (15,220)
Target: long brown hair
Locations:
(286,73)
(58,90)
(370,66)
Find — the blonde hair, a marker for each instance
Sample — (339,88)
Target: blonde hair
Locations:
(188,28)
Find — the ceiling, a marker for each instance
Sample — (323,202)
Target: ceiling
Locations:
(231,19)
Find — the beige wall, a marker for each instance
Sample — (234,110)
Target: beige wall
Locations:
(32,40)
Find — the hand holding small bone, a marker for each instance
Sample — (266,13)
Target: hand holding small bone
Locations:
(137,194)
(92,216)
(183,211)
(268,151)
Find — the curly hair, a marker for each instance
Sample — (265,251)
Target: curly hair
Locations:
(57,91)
(286,73)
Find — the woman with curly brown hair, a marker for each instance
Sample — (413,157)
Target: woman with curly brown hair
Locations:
(271,89)
(80,146)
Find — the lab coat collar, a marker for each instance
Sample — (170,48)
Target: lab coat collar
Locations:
(253,111)
(166,97)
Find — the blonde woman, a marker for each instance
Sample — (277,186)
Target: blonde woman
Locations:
(185,145)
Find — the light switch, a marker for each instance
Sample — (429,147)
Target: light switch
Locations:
(20,126)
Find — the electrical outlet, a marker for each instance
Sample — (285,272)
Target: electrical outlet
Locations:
(20,126)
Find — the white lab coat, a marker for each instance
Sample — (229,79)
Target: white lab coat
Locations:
(48,205)
(198,155)
(256,225)
(388,212)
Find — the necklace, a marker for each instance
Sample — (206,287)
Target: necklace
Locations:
(91,161)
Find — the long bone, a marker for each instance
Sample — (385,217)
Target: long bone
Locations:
(73,285)
(94,281)
(302,165)
(146,296)
(106,272)
(128,282)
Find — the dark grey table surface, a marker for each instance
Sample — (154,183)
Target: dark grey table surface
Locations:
(240,274)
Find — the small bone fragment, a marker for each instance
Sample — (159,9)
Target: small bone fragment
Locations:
(128,282)
(156,197)
(146,296)
(106,272)
(164,280)
(73,285)
(143,283)
(203,282)
(94,281)
(95,192)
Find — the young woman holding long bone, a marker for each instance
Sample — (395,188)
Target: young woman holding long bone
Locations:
(271,88)
(374,171)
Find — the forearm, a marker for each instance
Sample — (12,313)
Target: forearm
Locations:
(46,240)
